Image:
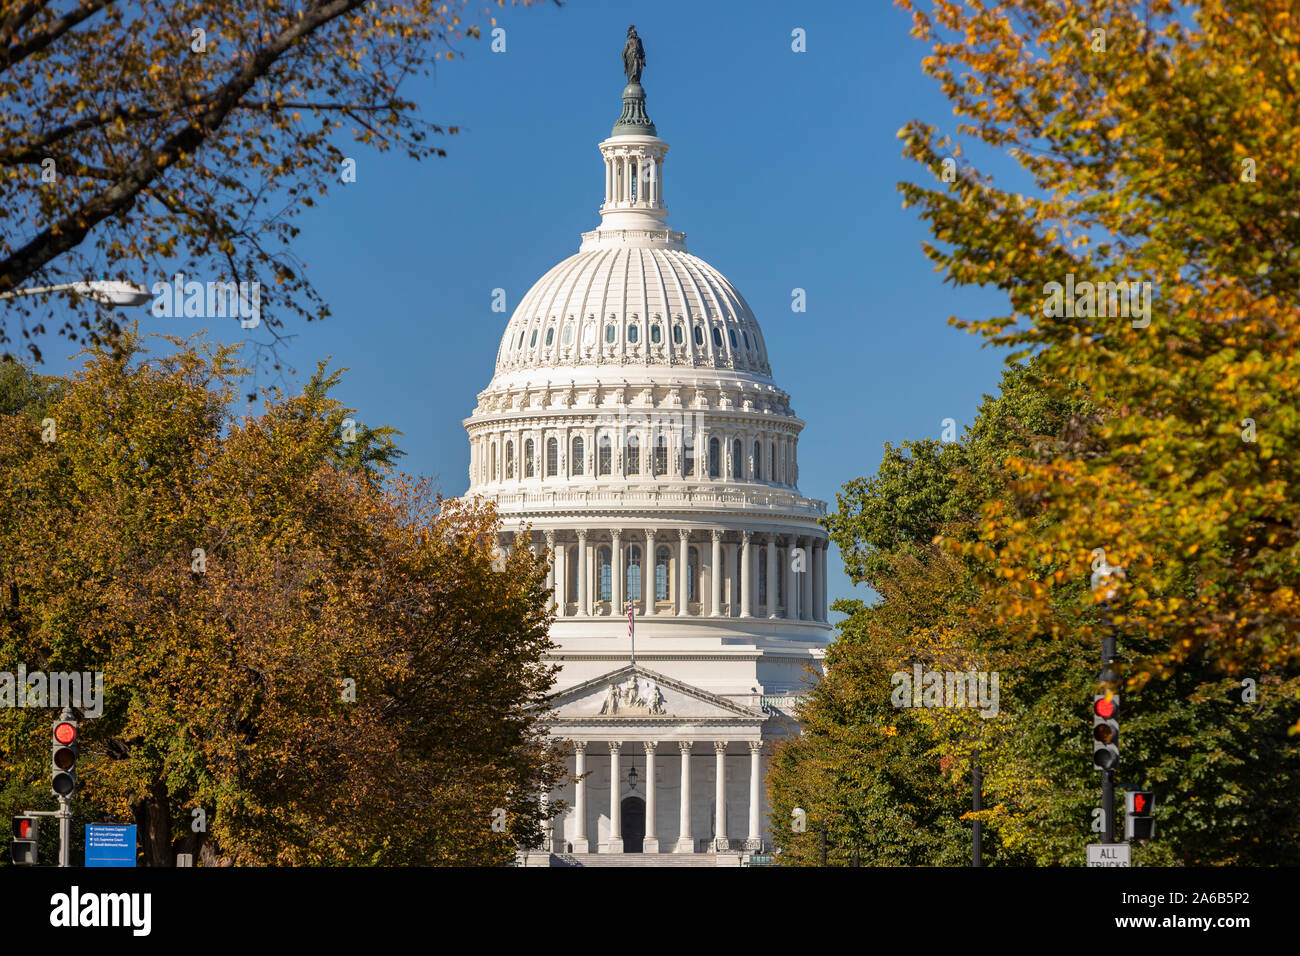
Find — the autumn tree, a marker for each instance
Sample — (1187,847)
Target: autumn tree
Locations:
(895,781)
(135,137)
(327,665)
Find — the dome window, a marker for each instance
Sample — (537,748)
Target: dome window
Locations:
(632,460)
(566,339)
(609,333)
(577,458)
(758,462)
(656,334)
(633,333)
(737,462)
(510,459)
(699,335)
(605,455)
(553,457)
(528,459)
(550,335)
(731,334)
(589,336)
(717,337)
(520,343)
(746,337)
(532,339)
(677,335)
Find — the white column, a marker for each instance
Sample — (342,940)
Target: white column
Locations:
(648,573)
(561,579)
(584,607)
(615,807)
(580,844)
(805,583)
(550,563)
(685,841)
(746,575)
(616,572)
(821,578)
(788,611)
(651,844)
(715,575)
(771,577)
(733,568)
(609,180)
(755,792)
(720,797)
(683,568)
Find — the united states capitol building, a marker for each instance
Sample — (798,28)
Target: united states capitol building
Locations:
(633,424)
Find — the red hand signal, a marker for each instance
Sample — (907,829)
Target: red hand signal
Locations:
(1139,802)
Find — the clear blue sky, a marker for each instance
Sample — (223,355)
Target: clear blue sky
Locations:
(782,173)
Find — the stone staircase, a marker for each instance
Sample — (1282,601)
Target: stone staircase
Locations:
(645,859)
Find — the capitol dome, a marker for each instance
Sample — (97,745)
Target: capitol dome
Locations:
(634,303)
(632,432)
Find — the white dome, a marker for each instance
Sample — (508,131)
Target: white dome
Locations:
(632,304)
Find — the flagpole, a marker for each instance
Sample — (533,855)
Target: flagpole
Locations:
(631,628)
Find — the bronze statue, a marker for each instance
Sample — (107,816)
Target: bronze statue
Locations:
(633,56)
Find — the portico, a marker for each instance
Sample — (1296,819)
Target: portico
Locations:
(687,764)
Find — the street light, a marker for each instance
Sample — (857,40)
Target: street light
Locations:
(107,291)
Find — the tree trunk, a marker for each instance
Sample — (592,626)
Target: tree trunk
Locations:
(154,822)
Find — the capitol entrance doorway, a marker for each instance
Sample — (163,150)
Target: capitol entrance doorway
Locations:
(633,813)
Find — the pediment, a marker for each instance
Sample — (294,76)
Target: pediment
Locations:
(633,692)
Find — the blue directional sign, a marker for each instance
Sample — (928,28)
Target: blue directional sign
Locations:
(110,845)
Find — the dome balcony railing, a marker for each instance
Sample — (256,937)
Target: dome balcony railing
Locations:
(741,500)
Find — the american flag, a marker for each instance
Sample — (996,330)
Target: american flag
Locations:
(631,628)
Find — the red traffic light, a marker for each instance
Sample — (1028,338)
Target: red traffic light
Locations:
(1105,707)
(65,733)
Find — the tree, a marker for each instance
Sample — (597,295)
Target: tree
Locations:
(326,664)
(896,780)
(194,130)
(1160,140)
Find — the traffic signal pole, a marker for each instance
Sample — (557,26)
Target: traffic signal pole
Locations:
(977,834)
(1107,679)
(65,832)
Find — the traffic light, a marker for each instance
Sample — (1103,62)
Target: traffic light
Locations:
(1105,731)
(1138,824)
(23,849)
(63,778)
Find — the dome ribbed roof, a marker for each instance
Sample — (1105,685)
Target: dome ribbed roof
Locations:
(633,304)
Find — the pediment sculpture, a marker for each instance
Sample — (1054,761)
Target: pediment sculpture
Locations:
(635,696)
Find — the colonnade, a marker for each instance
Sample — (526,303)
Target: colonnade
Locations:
(723,573)
(686,838)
